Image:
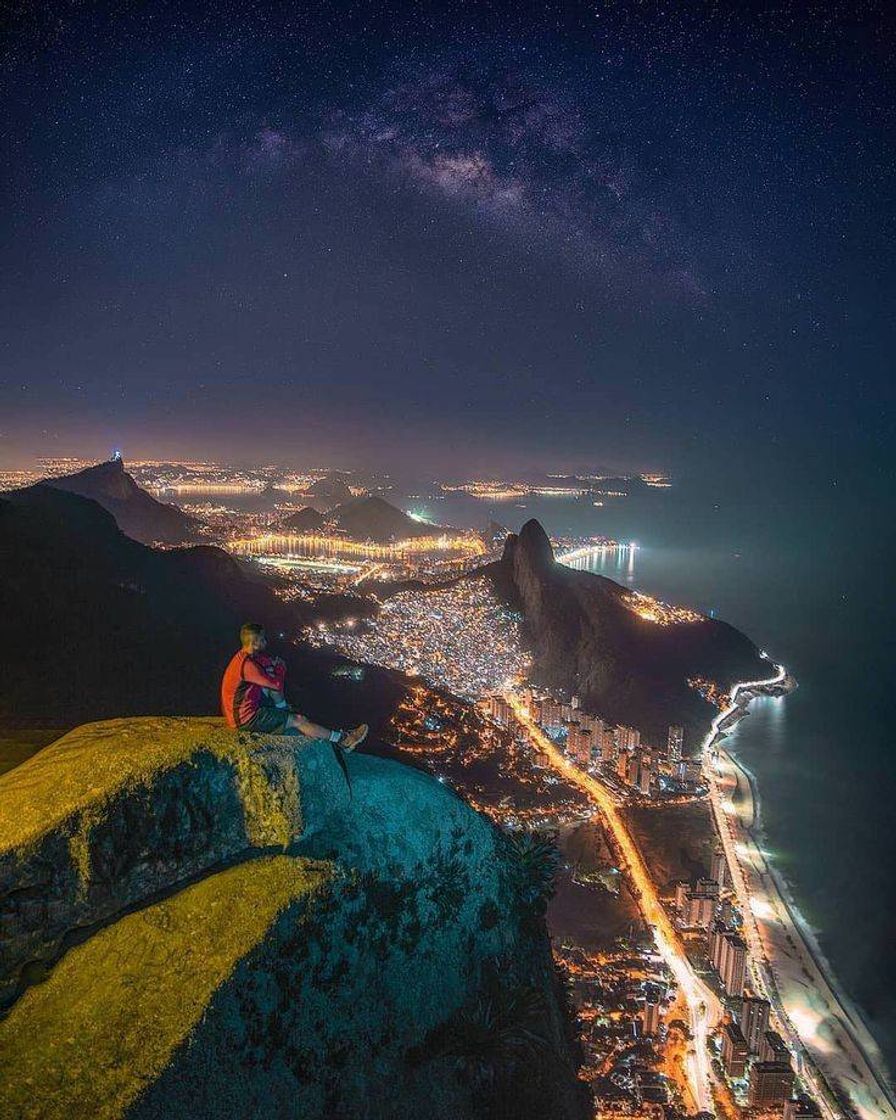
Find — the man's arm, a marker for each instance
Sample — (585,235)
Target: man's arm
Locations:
(254,674)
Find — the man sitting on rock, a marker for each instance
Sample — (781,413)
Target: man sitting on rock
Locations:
(252,695)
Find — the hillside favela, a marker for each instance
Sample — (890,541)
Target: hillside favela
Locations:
(445,548)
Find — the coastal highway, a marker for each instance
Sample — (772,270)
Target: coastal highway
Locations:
(819,1022)
(704,1008)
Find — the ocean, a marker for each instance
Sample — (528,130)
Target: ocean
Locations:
(804,573)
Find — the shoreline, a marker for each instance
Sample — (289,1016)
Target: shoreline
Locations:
(820,1019)
(854,1013)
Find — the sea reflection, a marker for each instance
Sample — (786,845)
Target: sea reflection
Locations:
(615,561)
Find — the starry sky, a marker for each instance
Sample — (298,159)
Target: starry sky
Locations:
(449,236)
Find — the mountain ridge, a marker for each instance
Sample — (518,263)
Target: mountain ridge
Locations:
(305,520)
(106,626)
(587,640)
(372,518)
(138,514)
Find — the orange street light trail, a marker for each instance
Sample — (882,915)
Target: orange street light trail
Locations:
(703,1006)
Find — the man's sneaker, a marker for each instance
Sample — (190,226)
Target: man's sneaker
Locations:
(354,738)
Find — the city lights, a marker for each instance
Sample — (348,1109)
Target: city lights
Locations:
(654,610)
(703,1006)
(459,637)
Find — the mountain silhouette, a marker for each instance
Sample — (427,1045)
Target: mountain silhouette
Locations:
(372,518)
(331,490)
(587,640)
(136,512)
(305,520)
(104,626)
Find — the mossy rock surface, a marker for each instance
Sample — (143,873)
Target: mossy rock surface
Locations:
(85,769)
(115,812)
(110,1016)
(226,927)
(17,746)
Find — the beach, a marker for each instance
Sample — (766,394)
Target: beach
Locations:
(836,1054)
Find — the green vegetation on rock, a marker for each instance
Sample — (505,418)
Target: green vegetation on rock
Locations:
(112,1012)
(18,745)
(76,776)
(277,987)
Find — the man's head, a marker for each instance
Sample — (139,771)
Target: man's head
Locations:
(252,637)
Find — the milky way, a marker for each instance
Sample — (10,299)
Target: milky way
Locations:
(589,232)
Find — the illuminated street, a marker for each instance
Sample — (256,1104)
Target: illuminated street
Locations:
(331,545)
(704,1009)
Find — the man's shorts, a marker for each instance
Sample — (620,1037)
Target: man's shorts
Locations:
(268,720)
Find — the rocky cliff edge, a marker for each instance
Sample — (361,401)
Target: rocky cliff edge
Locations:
(199,923)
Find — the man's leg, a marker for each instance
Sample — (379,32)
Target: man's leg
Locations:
(348,741)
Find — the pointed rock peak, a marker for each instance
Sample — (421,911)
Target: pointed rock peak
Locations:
(510,543)
(108,478)
(534,544)
(108,468)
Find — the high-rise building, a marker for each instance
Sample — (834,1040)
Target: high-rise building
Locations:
(696,903)
(675,743)
(773,1048)
(578,744)
(622,765)
(650,1016)
(801,1108)
(591,723)
(718,866)
(735,968)
(628,738)
(717,944)
(753,1019)
(499,710)
(708,887)
(734,1051)
(644,776)
(605,742)
(771,1084)
(551,714)
(728,953)
(700,911)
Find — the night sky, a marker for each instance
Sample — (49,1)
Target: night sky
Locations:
(453,236)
